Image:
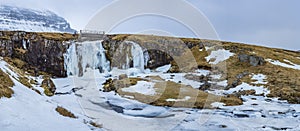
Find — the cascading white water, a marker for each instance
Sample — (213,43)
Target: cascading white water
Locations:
(136,55)
(83,55)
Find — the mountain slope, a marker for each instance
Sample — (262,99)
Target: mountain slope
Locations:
(23,19)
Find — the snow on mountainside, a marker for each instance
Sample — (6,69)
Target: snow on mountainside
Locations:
(23,19)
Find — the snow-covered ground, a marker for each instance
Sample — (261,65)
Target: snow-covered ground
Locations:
(245,86)
(290,65)
(218,56)
(27,110)
(260,79)
(141,87)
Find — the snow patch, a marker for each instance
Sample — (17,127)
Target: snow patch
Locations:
(217,104)
(202,72)
(291,65)
(164,68)
(184,99)
(245,86)
(179,78)
(141,87)
(260,79)
(218,56)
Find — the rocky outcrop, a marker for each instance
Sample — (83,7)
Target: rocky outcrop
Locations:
(49,87)
(161,50)
(42,52)
(253,60)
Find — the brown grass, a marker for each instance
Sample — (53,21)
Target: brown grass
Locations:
(64,112)
(171,90)
(47,35)
(47,83)
(5,85)
(94,124)
(282,82)
(25,81)
(19,67)
(58,36)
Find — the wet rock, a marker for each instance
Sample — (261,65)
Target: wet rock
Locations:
(234,84)
(205,86)
(108,85)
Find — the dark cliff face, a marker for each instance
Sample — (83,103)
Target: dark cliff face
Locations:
(161,50)
(156,57)
(42,52)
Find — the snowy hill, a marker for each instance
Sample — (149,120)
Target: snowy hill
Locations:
(16,18)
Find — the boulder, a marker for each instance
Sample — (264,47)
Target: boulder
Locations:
(123,76)
(234,84)
(49,87)
(205,86)
(108,85)
(253,60)
(200,78)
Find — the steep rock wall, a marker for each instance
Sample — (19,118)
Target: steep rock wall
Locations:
(42,52)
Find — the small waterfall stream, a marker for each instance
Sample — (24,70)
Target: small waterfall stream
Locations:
(139,58)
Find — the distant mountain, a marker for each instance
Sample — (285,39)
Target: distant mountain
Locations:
(16,18)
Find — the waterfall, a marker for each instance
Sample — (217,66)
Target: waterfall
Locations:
(137,56)
(130,55)
(83,55)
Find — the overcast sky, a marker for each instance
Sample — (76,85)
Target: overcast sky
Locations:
(273,23)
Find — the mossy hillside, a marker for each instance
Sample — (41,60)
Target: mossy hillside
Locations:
(5,85)
(282,82)
(17,66)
